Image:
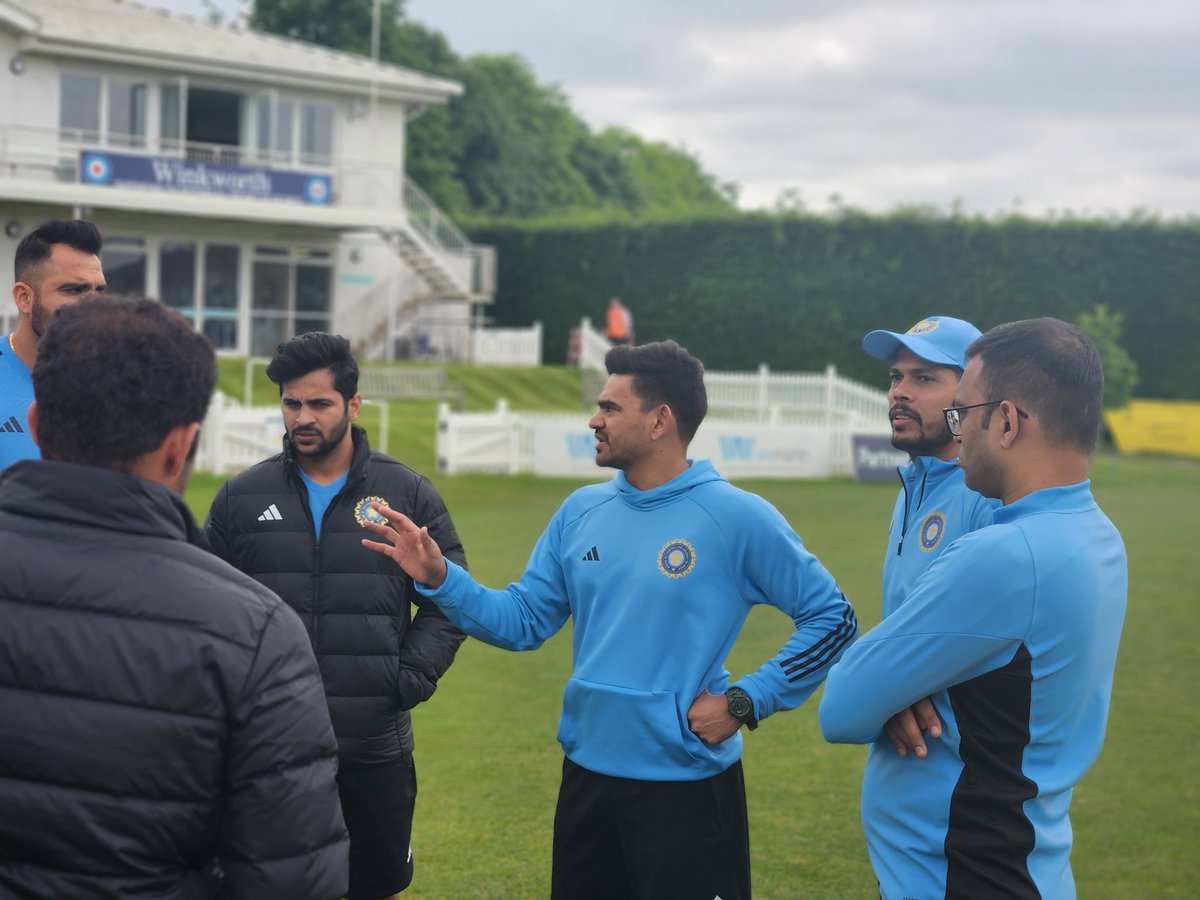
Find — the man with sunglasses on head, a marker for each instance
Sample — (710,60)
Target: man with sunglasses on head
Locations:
(1012,632)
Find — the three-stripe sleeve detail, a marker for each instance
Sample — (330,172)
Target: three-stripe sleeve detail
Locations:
(819,654)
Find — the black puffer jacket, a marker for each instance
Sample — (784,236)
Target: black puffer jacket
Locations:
(164,731)
(378,661)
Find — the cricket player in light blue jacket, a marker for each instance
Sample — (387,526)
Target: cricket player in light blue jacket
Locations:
(658,569)
(1013,632)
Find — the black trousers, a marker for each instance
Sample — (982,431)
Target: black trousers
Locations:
(623,839)
(377,804)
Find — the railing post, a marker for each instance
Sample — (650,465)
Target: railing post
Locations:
(444,447)
(248,381)
(830,383)
(764,379)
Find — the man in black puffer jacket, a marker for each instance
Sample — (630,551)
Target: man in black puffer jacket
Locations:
(164,728)
(293,522)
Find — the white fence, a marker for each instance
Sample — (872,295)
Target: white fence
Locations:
(782,398)
(559,444)
(822,398)
(235,437)
(507,346)
(589,347)
(761,424)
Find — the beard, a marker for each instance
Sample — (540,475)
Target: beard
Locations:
(327,443)
(930,440)
(982,475)
(39,316)
(608,457)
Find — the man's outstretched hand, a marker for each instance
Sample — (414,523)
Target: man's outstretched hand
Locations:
(410,547)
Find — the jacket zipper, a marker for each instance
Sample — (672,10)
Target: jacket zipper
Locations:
(904,485)
(316,594)
(316,588)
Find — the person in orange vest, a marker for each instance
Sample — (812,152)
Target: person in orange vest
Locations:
(619,323)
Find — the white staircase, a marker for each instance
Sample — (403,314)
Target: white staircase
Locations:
(448,265)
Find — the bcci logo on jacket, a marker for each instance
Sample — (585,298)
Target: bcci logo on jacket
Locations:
(676,558)
(932,529)
(364,512)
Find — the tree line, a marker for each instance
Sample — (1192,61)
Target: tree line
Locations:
(509,147)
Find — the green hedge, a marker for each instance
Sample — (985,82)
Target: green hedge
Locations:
(798,292)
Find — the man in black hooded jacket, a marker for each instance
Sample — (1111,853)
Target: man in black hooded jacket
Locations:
(294,523)
(164,729)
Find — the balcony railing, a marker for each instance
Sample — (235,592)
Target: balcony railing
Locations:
(54,154)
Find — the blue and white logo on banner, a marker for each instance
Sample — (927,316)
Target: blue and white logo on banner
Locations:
(96,168)
(737,446)
(581,446)
(317,189)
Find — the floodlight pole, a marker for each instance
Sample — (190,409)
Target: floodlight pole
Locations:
(375,28)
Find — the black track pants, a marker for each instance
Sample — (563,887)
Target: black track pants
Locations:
(622,839)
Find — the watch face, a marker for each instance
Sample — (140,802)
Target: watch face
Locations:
(739,704)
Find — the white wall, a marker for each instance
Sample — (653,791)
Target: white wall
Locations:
(30,99)
(373,148)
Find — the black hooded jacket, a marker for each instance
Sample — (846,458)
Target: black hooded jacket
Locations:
(377,659)
(163,732)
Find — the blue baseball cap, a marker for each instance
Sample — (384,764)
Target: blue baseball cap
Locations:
(938,339)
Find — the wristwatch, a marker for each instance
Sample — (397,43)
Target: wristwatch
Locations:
(741,707)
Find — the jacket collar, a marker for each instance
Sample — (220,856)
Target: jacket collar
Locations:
(1064,498)
(931,466)
(699,471)
(76,495)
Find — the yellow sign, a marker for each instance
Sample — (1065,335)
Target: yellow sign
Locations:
(1158,426)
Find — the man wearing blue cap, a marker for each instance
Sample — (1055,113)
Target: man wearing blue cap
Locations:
(1013,632)
(934,507)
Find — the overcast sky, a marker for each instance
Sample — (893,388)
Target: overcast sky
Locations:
(1047,105)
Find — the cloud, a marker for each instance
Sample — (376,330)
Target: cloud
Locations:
(1061,103)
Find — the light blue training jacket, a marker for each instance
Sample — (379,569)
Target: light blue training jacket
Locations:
(16,393)
(659,583)
(934,508)
(1013,632)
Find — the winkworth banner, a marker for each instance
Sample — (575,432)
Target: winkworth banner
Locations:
(171,173)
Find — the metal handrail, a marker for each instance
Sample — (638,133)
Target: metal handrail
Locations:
(429,220)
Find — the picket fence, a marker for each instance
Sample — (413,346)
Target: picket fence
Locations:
(504,442)
(762,423)
(507,346)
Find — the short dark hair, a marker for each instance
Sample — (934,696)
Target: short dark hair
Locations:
(1049,366)
(664,372)
(311,351)
(35,248)
(114,374)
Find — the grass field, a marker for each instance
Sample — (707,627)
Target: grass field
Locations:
(489,765)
